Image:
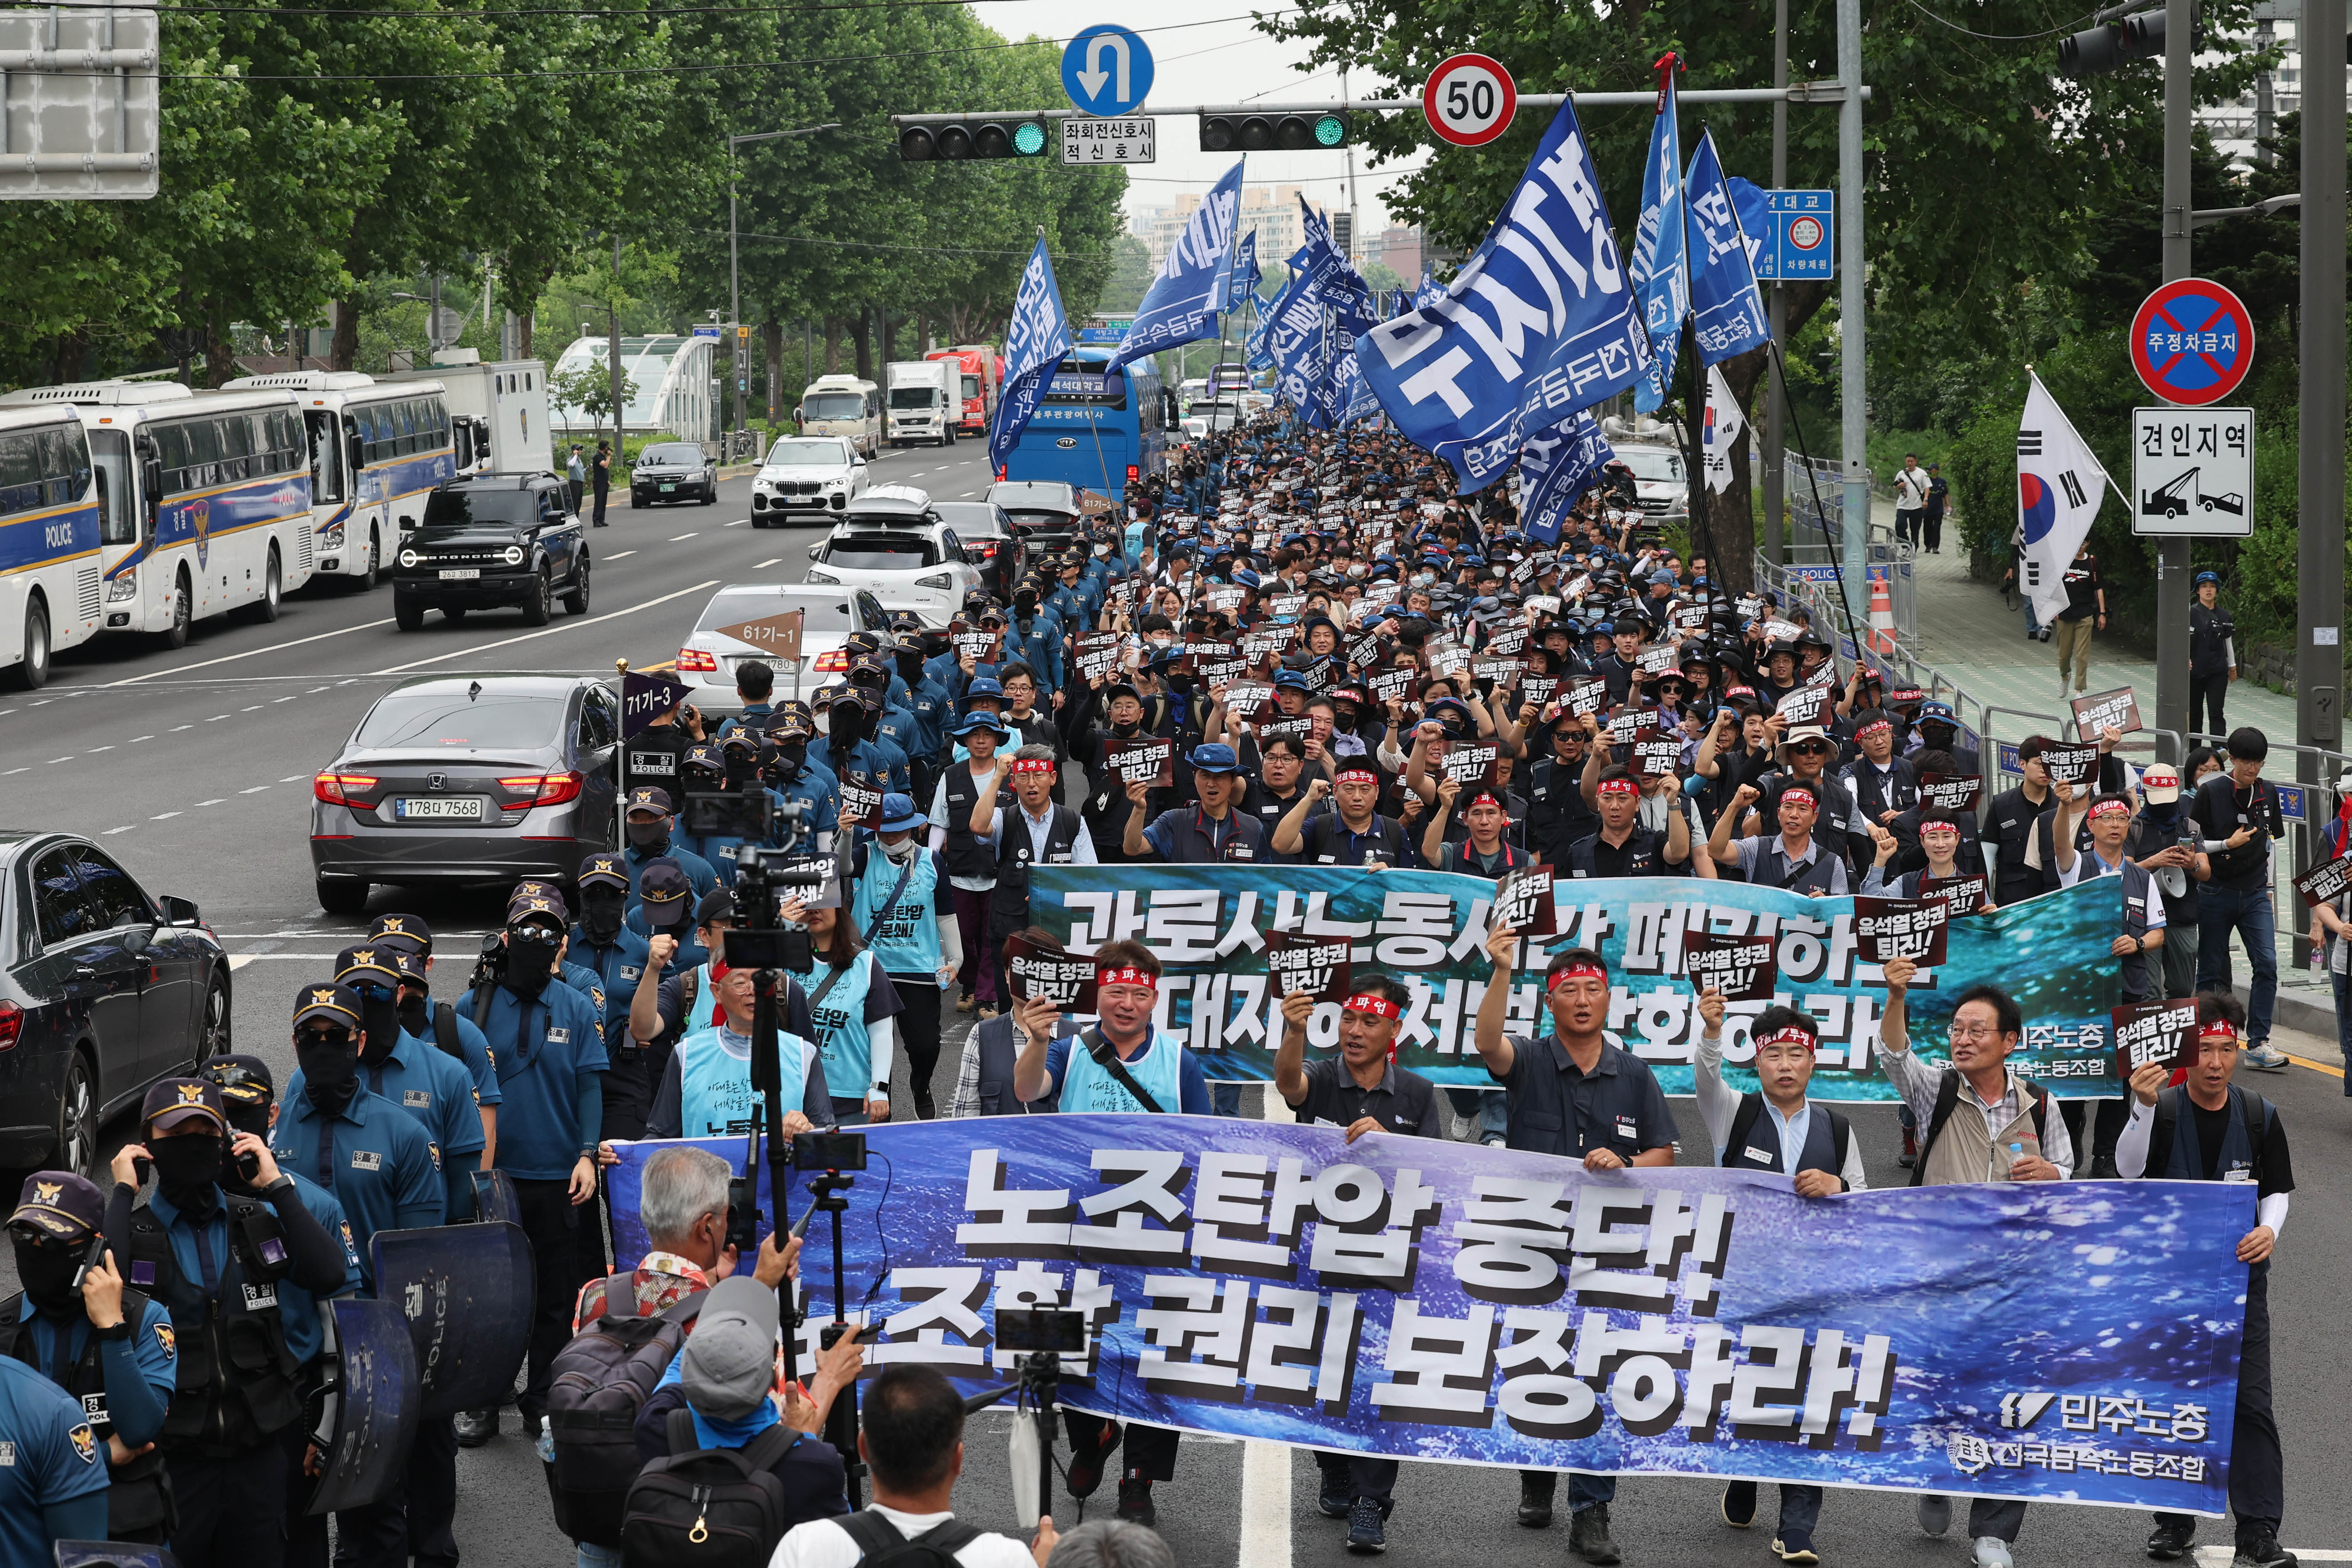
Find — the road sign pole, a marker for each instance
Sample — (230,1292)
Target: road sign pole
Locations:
(1851,388)
(1775,437)
(2172,555)
(2319,644)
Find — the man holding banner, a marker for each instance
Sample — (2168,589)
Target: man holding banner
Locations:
(1572,1095)
(1122,1064)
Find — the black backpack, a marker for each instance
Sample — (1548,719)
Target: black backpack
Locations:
(880,1546)
(707,1507)
(598,1382)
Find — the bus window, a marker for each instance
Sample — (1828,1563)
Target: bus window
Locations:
(118,517)
(237,447)
(326,458)
(20,472)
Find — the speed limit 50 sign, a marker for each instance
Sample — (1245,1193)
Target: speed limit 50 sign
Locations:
(1469,99)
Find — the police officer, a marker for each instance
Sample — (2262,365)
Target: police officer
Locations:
(1756,1132)
(1573,1094)
(110,1346)
(54,1489)
(2206,1128)
(648,823)
(1362,1090)
(431,1087)
(1122,1064)
(792,776)
(902,902)
(549,1043)
(219,1261)
(249,1099)
(2212,657)
(602,941)
(441,1025)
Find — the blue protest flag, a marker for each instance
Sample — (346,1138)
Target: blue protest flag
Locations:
(1037,341)
(1540,322)
(1661,246)
(1244,272)
(1556,468)
(1430,292)
(1195,285)
(1727,310)
(1754,212)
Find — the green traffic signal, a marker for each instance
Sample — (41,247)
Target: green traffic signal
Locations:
(1330,130)
(1028,139)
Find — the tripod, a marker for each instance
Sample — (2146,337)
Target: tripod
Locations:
(829,1196)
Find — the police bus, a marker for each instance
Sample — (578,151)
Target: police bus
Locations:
(204,499)
(377,449)
(49,539)
(1099,429)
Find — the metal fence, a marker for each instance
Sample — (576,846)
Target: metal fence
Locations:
(1816,538)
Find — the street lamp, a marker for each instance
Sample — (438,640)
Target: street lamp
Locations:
(734,273)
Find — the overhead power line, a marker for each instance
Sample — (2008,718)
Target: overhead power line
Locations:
(934,249)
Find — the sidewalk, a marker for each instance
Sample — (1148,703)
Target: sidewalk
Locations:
(1967,632)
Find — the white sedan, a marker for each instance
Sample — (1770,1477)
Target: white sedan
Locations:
(812,476)
(743,622)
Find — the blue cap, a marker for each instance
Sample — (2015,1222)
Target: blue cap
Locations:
(1246,578)
(1213,759)
(1291,678)
(1931,712)
(898,814)
(1605,629)
(2205,577)
(980,718)
(1662,577)
(984,687)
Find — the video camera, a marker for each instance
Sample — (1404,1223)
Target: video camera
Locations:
(1041,1336)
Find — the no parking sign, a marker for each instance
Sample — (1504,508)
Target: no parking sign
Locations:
(2192,342)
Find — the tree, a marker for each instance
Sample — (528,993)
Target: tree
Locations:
(589,389)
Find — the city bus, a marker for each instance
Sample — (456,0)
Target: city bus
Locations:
(204,499)
(50,540)
(377,449)
(1096,430)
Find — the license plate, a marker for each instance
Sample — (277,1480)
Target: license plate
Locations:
(466,809)
(668,488)
(460,573)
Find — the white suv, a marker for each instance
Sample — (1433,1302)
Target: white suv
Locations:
(806,474)
(894,544)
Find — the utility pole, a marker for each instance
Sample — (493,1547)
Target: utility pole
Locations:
(2319,547)
(1851,390)
(737,354)
(1775,438)
(2172,554)
(613,359)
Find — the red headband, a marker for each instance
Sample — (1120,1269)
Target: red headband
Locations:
(1363,1002)
(2104,807)
(1127,977)
(1364,775)
(1866,727)
(1618,786)
(2219,1029)
(1577,971)
(1035,765)
(1794,794)
(1791,1035)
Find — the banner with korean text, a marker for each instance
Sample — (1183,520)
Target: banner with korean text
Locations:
(1428,929)
(1461,1304)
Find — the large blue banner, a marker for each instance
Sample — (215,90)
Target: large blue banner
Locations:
(1537,324)
(1428,929)
(1035,341)
(1661,246)
(1728,309)
(1461,1304)
(1556,468)
(1194,283)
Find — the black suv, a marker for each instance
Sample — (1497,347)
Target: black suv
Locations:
(492,540)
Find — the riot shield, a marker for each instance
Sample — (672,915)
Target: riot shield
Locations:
(496,1201)
(466,1291)
(376,1402)
(112,1555)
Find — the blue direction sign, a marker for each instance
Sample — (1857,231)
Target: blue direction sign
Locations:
(1106,71)
(1801,238)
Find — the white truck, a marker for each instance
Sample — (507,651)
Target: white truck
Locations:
(925,402)
(507,402)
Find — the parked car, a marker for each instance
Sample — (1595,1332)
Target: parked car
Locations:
(1660,486)
(106,989)
(674,471)
(492,540)
(806,474)
(895,544)
(990,541)
(708,661)
(468,779)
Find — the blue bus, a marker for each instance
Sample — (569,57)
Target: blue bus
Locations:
(1101,431)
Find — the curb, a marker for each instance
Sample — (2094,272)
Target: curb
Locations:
(738,470)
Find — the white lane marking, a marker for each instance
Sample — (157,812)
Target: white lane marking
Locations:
(178,727)
(1265,1505)
(216,801)
(688,535)
(216,719)
(5,712)
(94,750)
(12,771)
(137,738)
(256,789)
(255,708)
(55,761)
(293,777)
(736,523)
(314,691)
(2222,1556)
(621,555)
(250,653)
(162,815)
(550,631)
(773,561)
(280,700)
(239,961)
(112,831)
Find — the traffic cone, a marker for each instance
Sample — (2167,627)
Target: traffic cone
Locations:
(1881,614)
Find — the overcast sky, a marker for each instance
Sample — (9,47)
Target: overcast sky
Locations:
(1222,59)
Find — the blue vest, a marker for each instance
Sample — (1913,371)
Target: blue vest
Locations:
(1753,1142)
(908,941)
(1087,1087)
(714,1089)
(2186,1159)
(842,1042)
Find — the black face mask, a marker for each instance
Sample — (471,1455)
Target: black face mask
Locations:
(380,1021)
(651,837)
(187,1167)
(414,1010)
(1125,730)
(249,1118)
(845,725)
(330,1071)
(530,960)
(48,1271)
(601,912)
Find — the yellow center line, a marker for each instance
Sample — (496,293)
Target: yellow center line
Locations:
(653,669)
(2315,1066)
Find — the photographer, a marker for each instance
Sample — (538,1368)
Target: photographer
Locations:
(549,1051)
(1122,1064)
(903,902)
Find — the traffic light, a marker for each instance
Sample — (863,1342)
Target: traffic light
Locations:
(2114,45)
(972,139)
(1259,132)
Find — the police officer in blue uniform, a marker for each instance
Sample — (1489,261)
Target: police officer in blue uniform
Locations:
(54,1488)
(903,906)
(702,770)
(650,823)
(792,776)
(219,1261)
(550,1045)
(431,1087)
(441,1025)
(110,1346)
(667,902)
(601,940)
